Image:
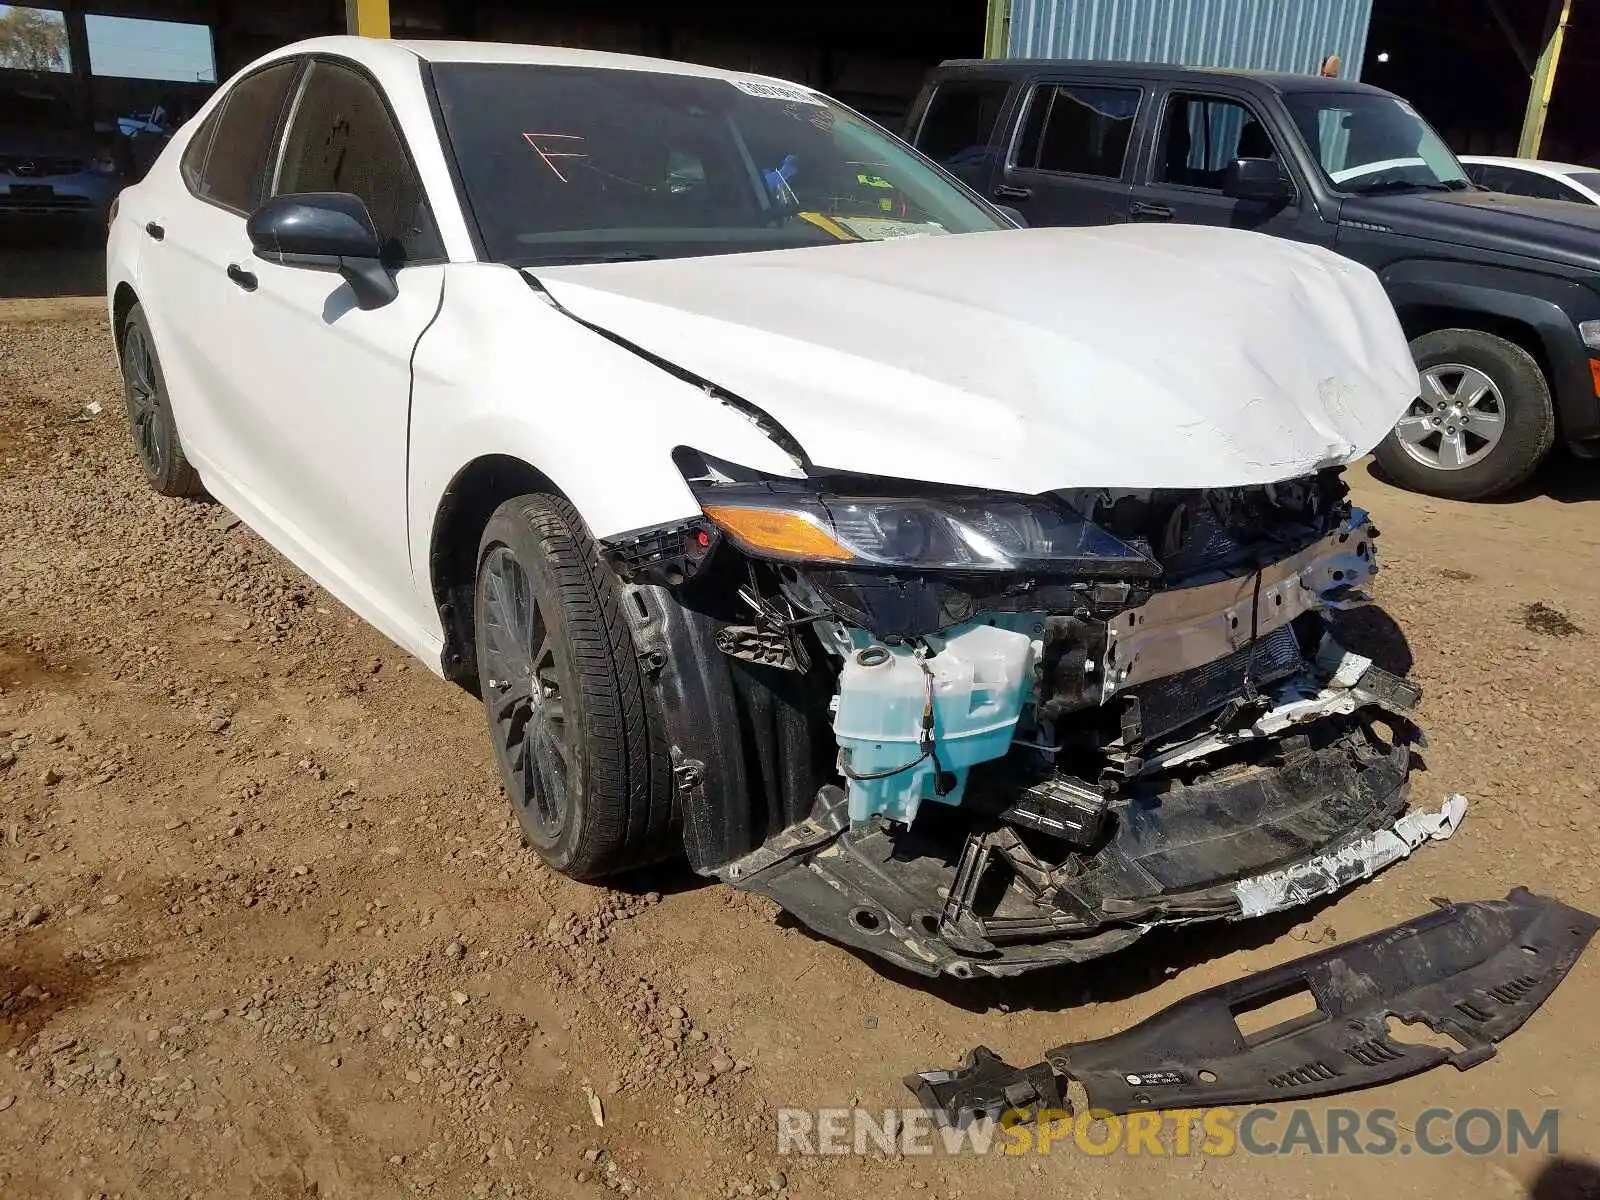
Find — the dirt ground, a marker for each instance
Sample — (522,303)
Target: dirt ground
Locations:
(266,928)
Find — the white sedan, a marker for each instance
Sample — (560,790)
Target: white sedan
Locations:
(1534,177)
(961,586)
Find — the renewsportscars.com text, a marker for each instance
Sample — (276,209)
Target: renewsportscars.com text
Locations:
(1180,1133)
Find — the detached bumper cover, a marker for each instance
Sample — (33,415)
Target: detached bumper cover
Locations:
(1474,971)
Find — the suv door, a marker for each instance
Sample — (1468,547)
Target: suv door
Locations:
(1198,134)
(326,384)
(956,127)
(1069,163)
(194,228)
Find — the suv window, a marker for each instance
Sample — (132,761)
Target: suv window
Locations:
(1203,134)
(1078,129)
(960,120)
(238,142)
(342,139)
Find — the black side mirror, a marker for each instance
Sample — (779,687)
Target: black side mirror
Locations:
(1013,215)
(1256,179)
(330,231)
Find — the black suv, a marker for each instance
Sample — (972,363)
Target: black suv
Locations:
(1499,294)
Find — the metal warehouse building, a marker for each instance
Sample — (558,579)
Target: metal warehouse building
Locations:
(1272,35)
(1465,63)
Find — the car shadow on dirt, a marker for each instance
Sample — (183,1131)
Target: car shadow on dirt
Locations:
(667,878)
(1565,478)
(1566,1179)
(1117,977)
(1372,632)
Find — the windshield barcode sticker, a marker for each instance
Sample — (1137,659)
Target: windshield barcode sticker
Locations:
(767,90)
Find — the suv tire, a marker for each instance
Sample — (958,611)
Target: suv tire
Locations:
(1483,423)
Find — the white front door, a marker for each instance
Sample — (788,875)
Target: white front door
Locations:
(326,384)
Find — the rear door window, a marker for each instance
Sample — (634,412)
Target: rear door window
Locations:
(1078,129)
(193,162)
(241,135)
(960,120)
(342,138)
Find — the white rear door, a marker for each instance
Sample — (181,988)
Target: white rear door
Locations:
(193,224)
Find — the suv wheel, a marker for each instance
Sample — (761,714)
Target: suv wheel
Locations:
(1483,422)
(588,777)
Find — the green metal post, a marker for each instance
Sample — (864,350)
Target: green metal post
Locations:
(997,33)
(1544,79)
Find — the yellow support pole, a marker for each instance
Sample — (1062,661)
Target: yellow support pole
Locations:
(368,18)
(997,29)
(1544,79)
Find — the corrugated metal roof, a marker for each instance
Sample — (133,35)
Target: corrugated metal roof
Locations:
(1262,35)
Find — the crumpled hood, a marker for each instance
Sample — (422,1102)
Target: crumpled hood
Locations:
(1033,360)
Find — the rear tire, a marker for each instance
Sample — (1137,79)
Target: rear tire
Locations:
(155,432)
(1483,423)
(588,777)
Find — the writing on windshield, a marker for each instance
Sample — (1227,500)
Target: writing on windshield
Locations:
(575,163)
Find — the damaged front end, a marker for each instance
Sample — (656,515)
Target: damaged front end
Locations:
(979,734)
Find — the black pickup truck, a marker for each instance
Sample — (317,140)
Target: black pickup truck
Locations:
(1499,294)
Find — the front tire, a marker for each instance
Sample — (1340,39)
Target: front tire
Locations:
(1483,423)
(155,432)
(588,778)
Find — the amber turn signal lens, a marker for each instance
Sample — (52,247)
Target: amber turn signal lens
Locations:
(1594,370)
(782,533)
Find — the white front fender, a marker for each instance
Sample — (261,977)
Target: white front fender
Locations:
(502,371)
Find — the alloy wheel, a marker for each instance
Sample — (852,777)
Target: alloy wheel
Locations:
(144,401)
(1457,421)
(526,707)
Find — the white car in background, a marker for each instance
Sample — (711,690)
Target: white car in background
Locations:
(960,586)
(1534,177)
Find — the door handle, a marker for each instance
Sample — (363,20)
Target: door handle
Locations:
(155,230)
(245,279)
(1007,191)
(1142,211)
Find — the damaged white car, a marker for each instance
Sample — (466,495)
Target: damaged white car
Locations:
(959,586)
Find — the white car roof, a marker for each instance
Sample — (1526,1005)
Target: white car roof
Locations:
(1539,166)
(380,52)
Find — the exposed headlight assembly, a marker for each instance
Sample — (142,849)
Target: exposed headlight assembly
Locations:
(973,532)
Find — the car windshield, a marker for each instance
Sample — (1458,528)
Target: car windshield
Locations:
(1371,143)
(1588,179)
(579,164)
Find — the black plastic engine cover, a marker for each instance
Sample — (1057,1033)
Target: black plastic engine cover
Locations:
(1474,971)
